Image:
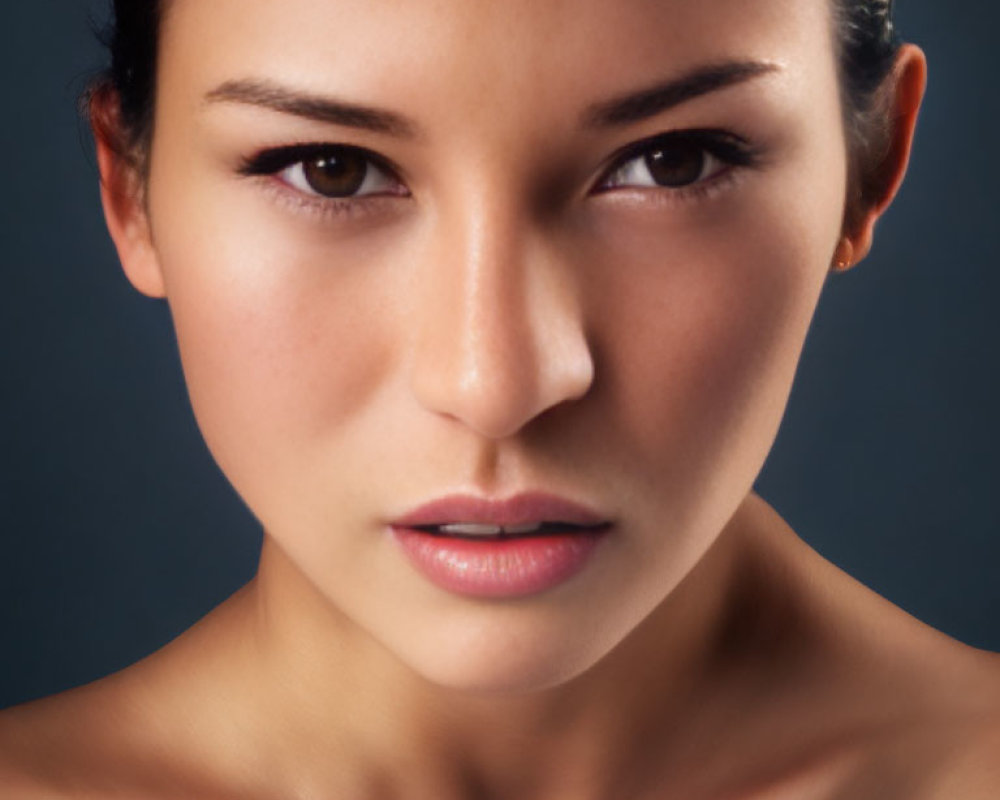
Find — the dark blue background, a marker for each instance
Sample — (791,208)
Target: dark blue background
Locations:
(118,531)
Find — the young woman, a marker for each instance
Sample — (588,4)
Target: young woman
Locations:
(490,312)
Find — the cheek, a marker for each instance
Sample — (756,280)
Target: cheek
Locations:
(700,338)
(280,341)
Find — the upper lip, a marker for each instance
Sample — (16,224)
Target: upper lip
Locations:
(520,509)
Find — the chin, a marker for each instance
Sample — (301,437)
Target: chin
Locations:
(502,659)
(511,677)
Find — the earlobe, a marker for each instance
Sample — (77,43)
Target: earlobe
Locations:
(127,220)
(843,258)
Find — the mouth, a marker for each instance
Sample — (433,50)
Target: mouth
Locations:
(480,530)
(525,514)
(485,548)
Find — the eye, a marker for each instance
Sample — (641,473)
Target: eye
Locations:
(327,171)
(340,173)
(677,160)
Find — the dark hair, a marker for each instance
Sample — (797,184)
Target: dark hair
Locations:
(865,39)
(121,100)
(867,45)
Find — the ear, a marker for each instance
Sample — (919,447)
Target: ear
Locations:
(906,89)
(122,198)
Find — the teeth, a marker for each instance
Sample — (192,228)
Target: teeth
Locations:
(485,529)
(481,529)
(471,529)
(527,527)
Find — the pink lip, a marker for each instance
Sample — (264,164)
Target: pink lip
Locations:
(516,510)
(513,567)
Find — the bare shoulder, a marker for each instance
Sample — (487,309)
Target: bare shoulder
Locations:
(962,751)
(106,739)
(919,730)
(153,730)
(51,746)
(17,772)
(36,741)
(973,772)
(910,711)
(943,760)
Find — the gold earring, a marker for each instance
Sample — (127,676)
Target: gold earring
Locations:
(844,255)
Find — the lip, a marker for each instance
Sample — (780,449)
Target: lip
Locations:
(517,510)
(492,567)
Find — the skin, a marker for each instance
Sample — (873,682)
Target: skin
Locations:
(499,325)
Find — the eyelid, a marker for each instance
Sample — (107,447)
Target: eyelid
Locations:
(276,160)
(726,147)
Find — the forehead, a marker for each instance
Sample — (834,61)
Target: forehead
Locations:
(482,53)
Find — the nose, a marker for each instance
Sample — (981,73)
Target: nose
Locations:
(499,335)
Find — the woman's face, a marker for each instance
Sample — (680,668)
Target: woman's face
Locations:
(511,300)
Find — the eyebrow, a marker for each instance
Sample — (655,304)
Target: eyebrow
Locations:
(266,94)
(646,103)
(623,110)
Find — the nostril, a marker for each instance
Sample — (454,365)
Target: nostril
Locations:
(499,339)
(497,384)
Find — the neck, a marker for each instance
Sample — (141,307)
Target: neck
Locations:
(333,696)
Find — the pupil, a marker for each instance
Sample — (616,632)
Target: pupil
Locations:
(336,174)
(677,165)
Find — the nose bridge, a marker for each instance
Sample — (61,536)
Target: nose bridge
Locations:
(499,335)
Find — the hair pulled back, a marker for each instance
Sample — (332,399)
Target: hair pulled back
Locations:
(866,46)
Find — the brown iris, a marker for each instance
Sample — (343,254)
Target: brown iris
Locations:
(336,174)
(676,164)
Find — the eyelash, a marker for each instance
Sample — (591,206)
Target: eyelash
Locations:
(272,162)
(732,153)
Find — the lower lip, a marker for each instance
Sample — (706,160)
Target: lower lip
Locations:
(498,567)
